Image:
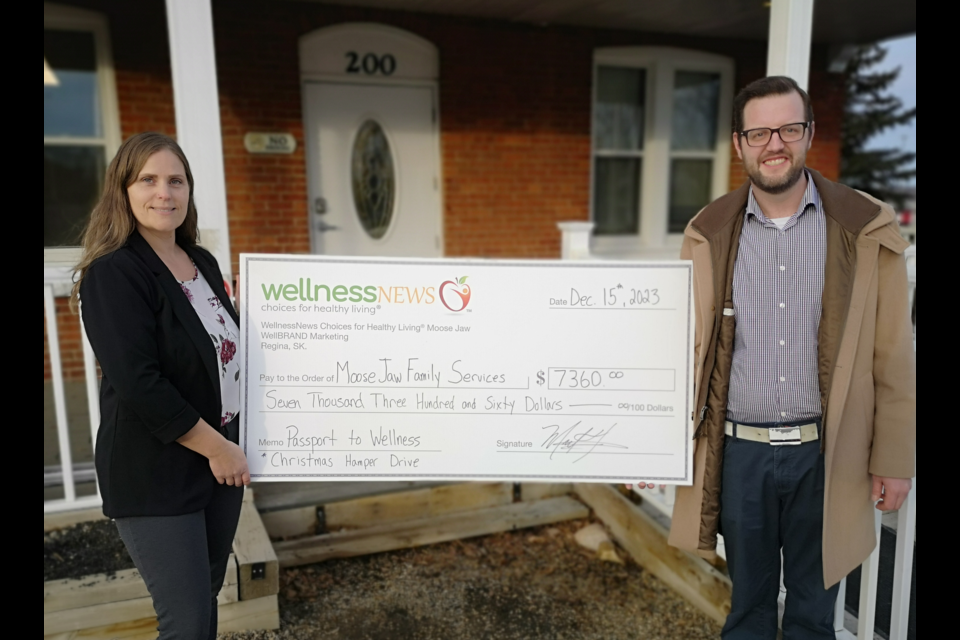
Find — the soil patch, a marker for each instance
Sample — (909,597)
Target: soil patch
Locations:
(84,549)
(521,585)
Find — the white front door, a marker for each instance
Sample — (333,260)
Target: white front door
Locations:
(372,160)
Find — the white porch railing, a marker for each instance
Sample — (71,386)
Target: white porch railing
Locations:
(53,284)
(575,246)
(662,500)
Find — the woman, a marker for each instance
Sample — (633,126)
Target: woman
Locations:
(161,325)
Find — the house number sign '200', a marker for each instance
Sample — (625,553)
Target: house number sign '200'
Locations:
(370,63)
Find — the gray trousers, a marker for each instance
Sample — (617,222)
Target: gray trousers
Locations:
(183,560)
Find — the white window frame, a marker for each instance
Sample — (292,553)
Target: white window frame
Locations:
(661,64)
(59,260)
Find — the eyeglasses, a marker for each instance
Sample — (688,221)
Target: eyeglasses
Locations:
(788,133)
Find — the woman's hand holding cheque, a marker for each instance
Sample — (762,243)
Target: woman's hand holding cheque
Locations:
(227,461)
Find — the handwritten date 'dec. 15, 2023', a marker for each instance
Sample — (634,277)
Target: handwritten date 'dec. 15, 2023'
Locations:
(614,296)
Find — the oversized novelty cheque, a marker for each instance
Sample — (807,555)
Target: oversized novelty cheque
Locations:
(374,369)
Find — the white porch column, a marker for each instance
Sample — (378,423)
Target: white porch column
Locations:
(575,240)
(197,107)
(788,48)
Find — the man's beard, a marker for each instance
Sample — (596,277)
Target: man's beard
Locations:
(775,186)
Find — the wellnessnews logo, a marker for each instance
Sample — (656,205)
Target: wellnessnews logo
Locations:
(455,294)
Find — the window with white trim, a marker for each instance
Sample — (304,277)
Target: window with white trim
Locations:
(661,144)
(81,130)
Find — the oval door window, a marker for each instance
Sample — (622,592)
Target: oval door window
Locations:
(373,179)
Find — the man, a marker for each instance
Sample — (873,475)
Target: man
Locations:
(805,378)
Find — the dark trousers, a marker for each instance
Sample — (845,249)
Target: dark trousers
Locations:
(183,560)
(772,501)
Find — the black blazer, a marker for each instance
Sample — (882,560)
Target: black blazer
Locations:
(160,376)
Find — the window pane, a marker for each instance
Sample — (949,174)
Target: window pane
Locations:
(616,195)
(373,179)
(72,179)
(71,102)
(690,182)
(619,112)
(696,98)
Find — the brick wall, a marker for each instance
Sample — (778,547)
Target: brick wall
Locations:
(71,349)
(259,86)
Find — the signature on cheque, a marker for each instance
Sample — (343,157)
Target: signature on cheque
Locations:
(571,440)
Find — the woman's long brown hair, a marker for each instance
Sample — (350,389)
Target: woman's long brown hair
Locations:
(112,221)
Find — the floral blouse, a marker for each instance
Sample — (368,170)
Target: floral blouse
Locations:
(225,335)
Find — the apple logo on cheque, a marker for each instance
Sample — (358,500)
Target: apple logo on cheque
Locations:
(462,291)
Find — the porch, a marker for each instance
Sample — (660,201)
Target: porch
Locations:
(210,133)
(293,508)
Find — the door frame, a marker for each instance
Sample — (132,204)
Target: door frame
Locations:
(425,75)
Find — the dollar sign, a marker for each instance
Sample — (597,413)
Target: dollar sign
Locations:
(540,378)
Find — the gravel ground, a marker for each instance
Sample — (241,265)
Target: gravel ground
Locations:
(84,549)
(522,585)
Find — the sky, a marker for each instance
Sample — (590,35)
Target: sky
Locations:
(901,52)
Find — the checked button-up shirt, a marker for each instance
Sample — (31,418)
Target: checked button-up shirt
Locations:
(777,289)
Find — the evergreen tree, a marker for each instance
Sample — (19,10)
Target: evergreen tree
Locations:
(869,110)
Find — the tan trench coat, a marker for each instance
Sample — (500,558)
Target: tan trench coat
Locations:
(867,369)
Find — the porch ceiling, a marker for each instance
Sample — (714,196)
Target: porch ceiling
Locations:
(846,22)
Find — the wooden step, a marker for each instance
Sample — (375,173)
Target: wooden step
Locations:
(275,496)
(258,574)
(63,519)
(645,540)
(105,588)
(261,613)
(414,533)
(540,490)
(118,605)
(110,598)
(385,508)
